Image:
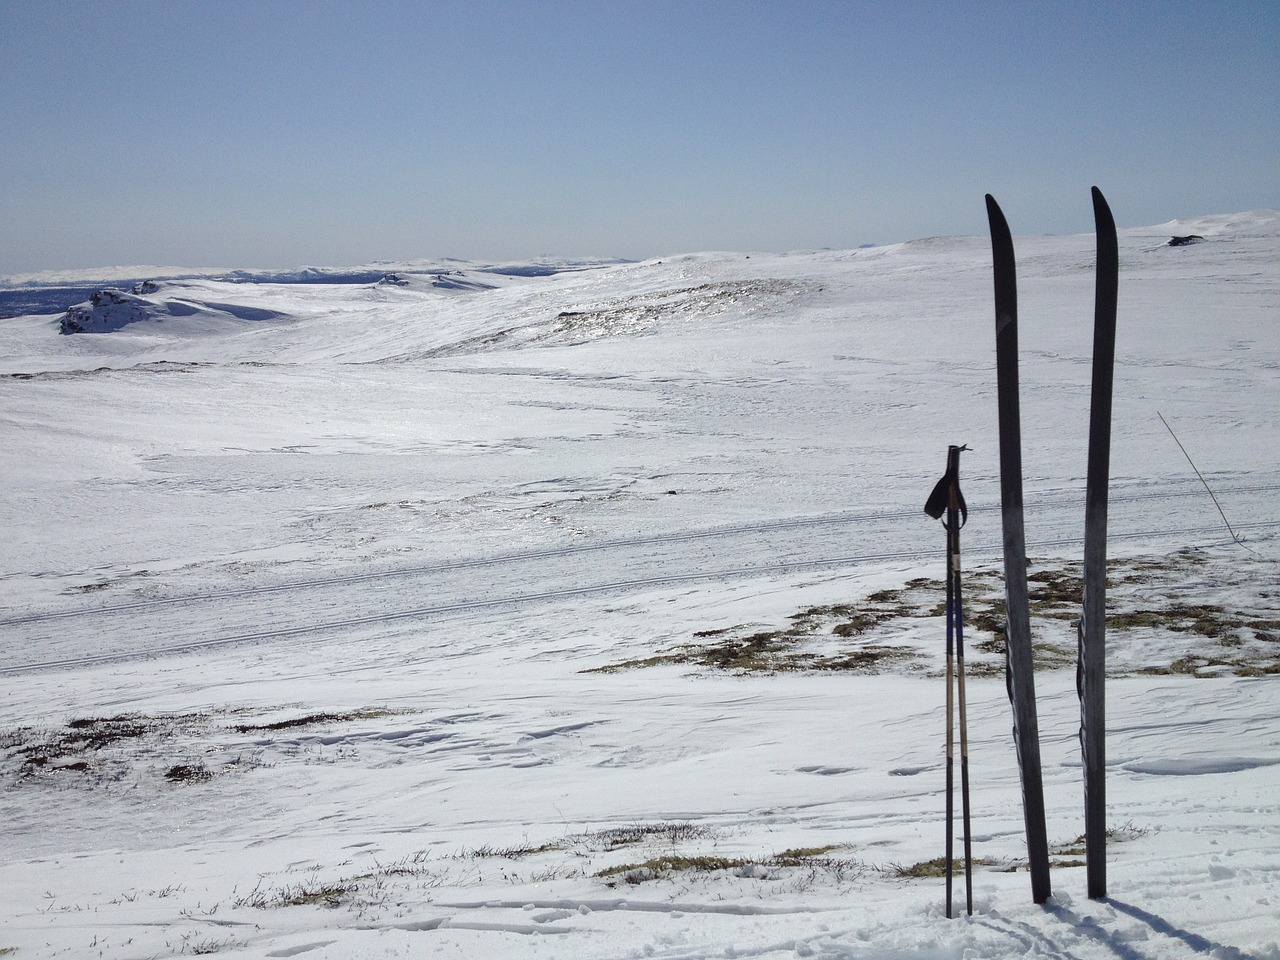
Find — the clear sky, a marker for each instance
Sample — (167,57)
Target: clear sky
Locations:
(278,134)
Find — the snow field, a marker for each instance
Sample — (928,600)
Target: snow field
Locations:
(320,601)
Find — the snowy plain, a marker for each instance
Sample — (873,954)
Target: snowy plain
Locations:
(595,614)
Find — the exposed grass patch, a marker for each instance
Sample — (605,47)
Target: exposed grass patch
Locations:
(811,860)
(360,891)
(762,651)
(87,588)
(1070,853)
(97,732)
(855,625)
(629,836)
(188,773)
(311,720)
(638,663)
(1075,849)
(1215,666)
(774,651)
(414,865)
(804,645)
(935,868)
(207,947)
(1203,615)
(486,851)
(851,620)
(102,750)
(666,834)
(663,858)
(76,747)
(868,659)
(311,892)
(1258,669)
(1125,832)
(799,856)
(864,633)
(321,894)
(672,863)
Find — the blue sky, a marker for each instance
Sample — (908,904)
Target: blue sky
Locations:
(278,134)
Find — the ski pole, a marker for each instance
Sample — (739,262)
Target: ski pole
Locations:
(946,498)
(953,529)
(951,748)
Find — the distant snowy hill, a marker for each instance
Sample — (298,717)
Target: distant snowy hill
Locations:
(153,301)
(54,291)
(207,305)
(1254,223)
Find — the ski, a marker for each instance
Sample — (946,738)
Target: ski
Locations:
(1019,669)
(1091,666)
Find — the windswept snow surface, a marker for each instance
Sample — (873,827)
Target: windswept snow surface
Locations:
(383,619)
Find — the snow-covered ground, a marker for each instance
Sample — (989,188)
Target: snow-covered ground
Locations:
(595,615)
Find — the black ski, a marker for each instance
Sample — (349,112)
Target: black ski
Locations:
(1091,669)
(1020,674)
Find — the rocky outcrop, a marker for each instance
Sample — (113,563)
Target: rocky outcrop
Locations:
(107,310)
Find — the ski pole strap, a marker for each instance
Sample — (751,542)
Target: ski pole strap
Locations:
(946,492)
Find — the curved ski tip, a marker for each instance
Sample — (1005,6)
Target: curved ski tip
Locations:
(1102,210)
(995,216)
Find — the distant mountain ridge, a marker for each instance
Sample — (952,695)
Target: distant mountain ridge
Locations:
(51,291)
(57,291)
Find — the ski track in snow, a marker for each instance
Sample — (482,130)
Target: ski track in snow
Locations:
(351,552)
(509,579)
